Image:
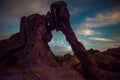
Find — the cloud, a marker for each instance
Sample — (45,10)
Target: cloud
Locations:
(4,35)
(83,29)
(74,11)
(61,49)
(99,20)
(86,32)
(8,20)
(116,37)
(103,19)
(59,45)
(18,8)
(84,42)
(99,39)
(110,45)
(11,11)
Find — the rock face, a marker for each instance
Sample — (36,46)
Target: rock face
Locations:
(35,31)
(61,18)
(29,47)
(105,63)
(115,52)
(26,54)
(68,60)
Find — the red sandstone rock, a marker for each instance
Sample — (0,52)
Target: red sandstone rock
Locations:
(113,52)
(29,48)
(30,45)
(35,32)
(61,19)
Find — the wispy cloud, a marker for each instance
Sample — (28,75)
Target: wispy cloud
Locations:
(74,11)
(84,42)
(18,8)
(4,35)
(103,19)
(61,49)
(86,32)
(99,20)
(110,45)
(99,39)
(13,10)
(116,37)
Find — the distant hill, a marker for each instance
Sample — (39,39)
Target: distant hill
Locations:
(113,52)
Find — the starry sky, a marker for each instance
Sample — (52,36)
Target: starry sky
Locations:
(96,23)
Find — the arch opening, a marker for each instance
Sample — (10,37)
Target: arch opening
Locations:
(59,45)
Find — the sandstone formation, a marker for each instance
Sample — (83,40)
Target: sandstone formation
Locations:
(68,60)
(36,30)
(104,66)
(61,19)
(107,60)
(115,52)
(26,55)
(29,48)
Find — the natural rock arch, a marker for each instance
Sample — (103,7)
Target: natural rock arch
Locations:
(60,21)
(57,19)
(36,32)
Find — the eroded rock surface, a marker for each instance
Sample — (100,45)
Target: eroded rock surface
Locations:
(27,53)
(35,31)
(29,48)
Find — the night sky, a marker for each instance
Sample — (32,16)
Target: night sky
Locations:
(96,23)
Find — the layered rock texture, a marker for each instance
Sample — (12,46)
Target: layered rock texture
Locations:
(26,55)
(105,66)
(28,46)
